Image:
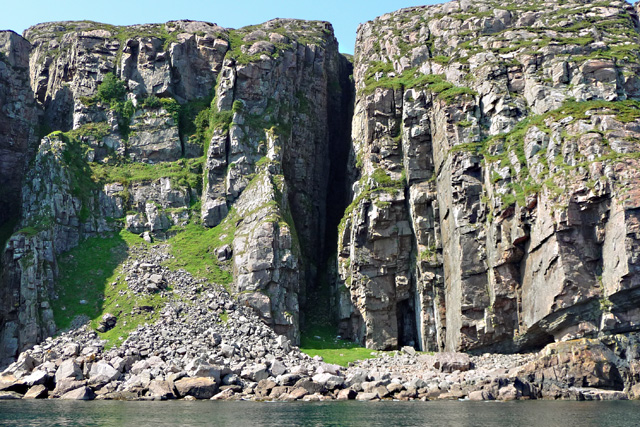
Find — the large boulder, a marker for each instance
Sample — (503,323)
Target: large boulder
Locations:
(199,387)
(82,393)
(68,369)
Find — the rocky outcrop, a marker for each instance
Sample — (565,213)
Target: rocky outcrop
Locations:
(495,148)
(278,93)
(135,106)
(179,59)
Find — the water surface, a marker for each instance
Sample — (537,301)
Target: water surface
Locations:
(208,413)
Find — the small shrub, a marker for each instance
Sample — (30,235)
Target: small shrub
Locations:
(111,89)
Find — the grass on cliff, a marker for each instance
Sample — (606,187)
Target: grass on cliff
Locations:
(91,284)
(321,340)
(194,249)
(183,172)
(498,149)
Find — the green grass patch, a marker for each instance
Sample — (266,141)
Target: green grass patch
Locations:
(224,317)
(321,340)
(134,311)
(498,149)
(382,75)
(85,274)
(194,249)
(183,172)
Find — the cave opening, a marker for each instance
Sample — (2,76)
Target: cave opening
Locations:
(407,329)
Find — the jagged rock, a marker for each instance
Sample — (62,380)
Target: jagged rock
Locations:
(107,322)
(584,363)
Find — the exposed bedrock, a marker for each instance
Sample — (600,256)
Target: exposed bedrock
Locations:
(140,114)
(475,168)
(496,206)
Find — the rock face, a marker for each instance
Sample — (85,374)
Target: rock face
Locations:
(281,131)
(135,128)
(19,118)
(496,206)
(491,171)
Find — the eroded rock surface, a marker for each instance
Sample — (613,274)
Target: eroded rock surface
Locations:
(495,151)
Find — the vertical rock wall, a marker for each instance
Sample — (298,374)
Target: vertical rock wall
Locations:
(19,120)
(131,161)
(282,81)
(489,143)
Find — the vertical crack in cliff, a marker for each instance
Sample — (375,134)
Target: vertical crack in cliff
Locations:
(319,305)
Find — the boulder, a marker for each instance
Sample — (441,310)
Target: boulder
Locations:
(450,362)
(255,372)
(346,394)
(37,392)
(69,369)
(66,385)
(9,395)
(81,393)
(199,387)
(103,371)
(298,393)
(161,389)
(366,396)
(480,395)
(36,378)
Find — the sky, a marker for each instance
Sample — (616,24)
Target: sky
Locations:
(345,15)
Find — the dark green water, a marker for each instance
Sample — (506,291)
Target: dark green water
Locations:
(139,414)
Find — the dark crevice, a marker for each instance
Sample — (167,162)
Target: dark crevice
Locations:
(317,306)
(407,328)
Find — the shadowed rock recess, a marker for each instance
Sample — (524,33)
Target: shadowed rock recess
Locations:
(468,181)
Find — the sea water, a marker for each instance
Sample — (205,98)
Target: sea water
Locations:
(208,413)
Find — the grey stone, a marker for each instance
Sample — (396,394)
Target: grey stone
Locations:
(82,393)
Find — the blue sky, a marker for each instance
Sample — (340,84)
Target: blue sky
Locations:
(345,15)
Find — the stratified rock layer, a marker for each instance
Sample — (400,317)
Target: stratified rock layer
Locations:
(139,115)
(497,149)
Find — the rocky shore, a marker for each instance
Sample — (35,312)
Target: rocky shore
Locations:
(206,346)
